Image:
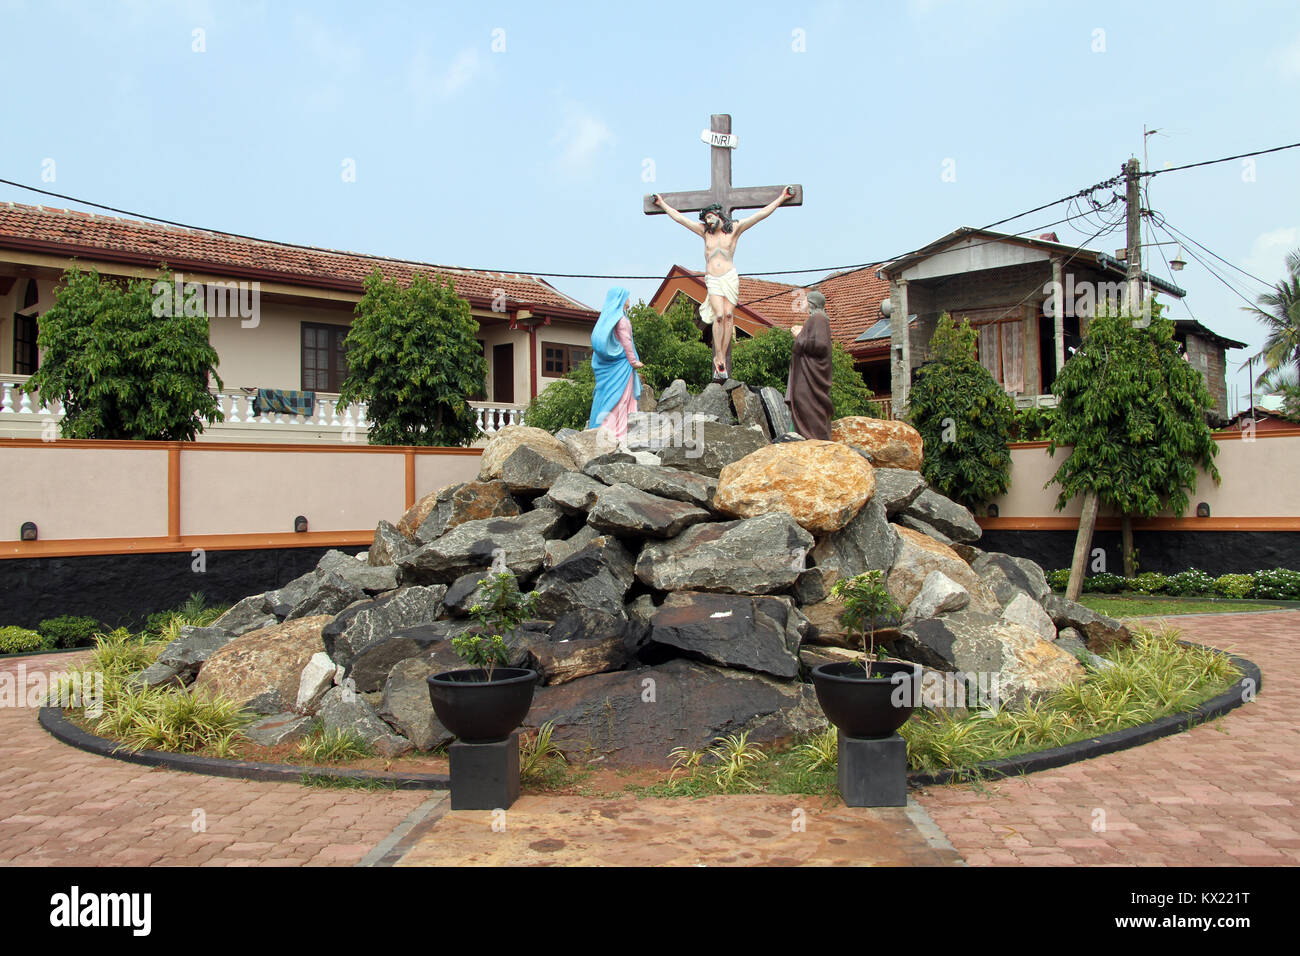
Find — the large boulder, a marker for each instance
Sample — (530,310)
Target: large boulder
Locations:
(750,556)
(665,482)
(890,444)
(368,623)
(939,595)
(748,406)
(821,484)
(1028,613)
(918,555)
(582,643)
(180,660)
(1013,662)
(867,543)
(636,717)
(583,446)
(713,402)
(262,669)
(456,504)
(896,488)
(935,511)
(342,710)
(1007,576)
(706,447)
(328,593)
(513,437)
(755,633)
(1099,632)
(473,546)
(596,576)
(389,545)
(373,579)
(407,708)
(630,512)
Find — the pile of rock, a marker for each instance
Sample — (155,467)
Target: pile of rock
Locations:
(683,588)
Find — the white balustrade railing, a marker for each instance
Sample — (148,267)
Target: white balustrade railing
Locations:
(236,407)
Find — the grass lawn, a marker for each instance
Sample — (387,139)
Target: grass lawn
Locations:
(1155,605)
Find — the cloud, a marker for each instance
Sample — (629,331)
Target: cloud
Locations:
(1288,61)
(1267,257)
(580,138)
(429,83)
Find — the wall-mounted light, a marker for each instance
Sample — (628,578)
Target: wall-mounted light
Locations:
(299,524)
(1202,509)
(993,511)
(27,532)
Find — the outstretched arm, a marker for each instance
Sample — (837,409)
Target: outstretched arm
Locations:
(673,214)
(766,211)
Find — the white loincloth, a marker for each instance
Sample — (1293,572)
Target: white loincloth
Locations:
(727,286)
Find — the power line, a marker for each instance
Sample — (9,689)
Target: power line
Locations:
(1186,238)
(1211,162)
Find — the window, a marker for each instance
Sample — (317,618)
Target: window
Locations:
(1001,344)
(324,360)
(559,359)
(26,328)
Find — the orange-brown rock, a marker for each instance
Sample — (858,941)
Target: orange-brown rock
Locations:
(454,504)
(919,554)
(890,444)
(262,669)
(507,440)
(821,484)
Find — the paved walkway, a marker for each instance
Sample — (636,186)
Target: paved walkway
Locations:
(1221,794)
(1217,795)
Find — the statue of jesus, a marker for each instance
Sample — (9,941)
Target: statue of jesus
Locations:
(721,279)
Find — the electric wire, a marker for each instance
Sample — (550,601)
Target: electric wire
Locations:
(1211,162)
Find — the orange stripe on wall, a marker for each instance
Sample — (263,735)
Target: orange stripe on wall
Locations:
(1059,523)
(74,547)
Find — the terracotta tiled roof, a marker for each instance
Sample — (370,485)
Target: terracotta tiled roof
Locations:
(130,240)
(852,301)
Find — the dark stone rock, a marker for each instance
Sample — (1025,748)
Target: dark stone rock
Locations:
(373,579)
(750,556)
(574,493)
(1007,576)
(406,706)
(582,643)
(456,504)
(916,524)
(896,488)
(472,545)
(712,401)
(597,577)
(526,470)
(754,633)
(636,717)
(706,447)
(670,483)
(867,543)
(945,515)
(330,594)
(181,659)
(370,668)
(368,623)
(250,614)
(345,711)
(630,512)
(389,545)
(814,585)
(463,593)
(282,601)
(748,405)
(1099,631)
(673,398)
(778,412)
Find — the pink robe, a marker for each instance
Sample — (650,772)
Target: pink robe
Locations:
(616,421)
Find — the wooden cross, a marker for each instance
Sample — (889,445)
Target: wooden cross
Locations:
(720,190)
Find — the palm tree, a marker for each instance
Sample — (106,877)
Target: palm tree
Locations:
(1279,312)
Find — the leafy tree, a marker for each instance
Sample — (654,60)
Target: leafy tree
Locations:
(1280,315)
(1134,412)
(126,363)
(414,359)
(566,403)
(764,361)
(670,345)
(964,417)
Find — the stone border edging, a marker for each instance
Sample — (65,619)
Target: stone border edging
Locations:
(1107,743)
(52,719)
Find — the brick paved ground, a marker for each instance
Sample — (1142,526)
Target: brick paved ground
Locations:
(1221,794)
(59,805)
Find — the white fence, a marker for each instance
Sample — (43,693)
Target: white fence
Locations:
(27,416)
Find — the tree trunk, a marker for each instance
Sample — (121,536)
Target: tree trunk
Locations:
(1082,545)
(1126,536)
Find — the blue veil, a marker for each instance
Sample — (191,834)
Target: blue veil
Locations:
(609,361)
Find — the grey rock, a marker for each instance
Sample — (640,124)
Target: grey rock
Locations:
(778,412)
(591,650)
(713,401)
(916,524)
(814,585)
(279,728)
(940,594)
(755,633)
(945,515)
(596,576)
(341,710)
(463,593)
(389,546)
(706,447)
(1099,631)
(250,614)
(630,512)
(373,579)
(314,682)
(867,543)
(331,594)
(1025,611)
(1007,577)
(673,398)
(282,601)
(406,706)
(670,483)
(467,501)
(896,488)
(574,492)
(560,548)
(370,622)
(748,405)
(526,470)
(181,659)
(750,556)
(370,668)
(472,545)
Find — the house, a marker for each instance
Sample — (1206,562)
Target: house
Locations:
(278,313)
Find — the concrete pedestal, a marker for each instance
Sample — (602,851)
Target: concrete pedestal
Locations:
(873,773)
(484,776)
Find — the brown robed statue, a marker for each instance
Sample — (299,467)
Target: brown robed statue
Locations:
(716,227)
(808,390)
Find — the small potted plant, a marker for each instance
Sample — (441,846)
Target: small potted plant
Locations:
(488,700)
(863,699)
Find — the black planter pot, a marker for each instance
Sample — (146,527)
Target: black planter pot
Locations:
(868,707)
(480,711)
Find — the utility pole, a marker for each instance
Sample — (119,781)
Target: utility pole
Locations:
(1133,215)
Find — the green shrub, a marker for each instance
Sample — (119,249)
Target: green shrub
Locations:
(1234,585)
(1280,584)
(158,718)
(1148,582)
(566,403)
(1033,424)
(69,631)
(1060,580)
(1103,583)
(1191,581)
(19,640)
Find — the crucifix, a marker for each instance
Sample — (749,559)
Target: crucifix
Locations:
(715,206)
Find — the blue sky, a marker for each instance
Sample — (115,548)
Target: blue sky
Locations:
(518,136)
